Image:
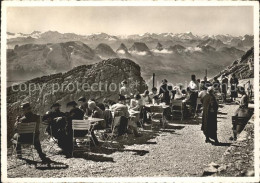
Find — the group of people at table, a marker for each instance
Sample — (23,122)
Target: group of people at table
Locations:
(59,124)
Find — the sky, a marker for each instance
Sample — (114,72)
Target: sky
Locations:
(234,20)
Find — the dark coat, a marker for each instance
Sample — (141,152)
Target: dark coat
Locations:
(165,94)
(209,117)
(234,83)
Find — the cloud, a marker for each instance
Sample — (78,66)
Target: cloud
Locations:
(121,51)
(139,52)
(162,51)
(192,49)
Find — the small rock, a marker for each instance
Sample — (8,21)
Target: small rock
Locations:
(214,165)
(250,173)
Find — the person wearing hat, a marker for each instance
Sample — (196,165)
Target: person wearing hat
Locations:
(74,113)
(27,117)
(209,116)
(233,83)
(83,105)
(55,111)
(164,92)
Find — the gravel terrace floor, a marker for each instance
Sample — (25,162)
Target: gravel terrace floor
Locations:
(178,151)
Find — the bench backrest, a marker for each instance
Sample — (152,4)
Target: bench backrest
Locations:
(156,109)
(23,128)
(81,125)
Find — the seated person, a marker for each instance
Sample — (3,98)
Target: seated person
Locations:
(120,109)
(136,103)
(180,95)
(152,94)
(145,97)
(96,112)
(172,92)
(127,101)
(29,117)
(83,105)
(187,102)
(101,106)
(74,113)
(156,100)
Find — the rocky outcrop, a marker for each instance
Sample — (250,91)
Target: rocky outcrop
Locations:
(99,81)
(159,47)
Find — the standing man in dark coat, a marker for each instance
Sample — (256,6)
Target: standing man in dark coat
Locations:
(164,92)
(233,83)
(209,117)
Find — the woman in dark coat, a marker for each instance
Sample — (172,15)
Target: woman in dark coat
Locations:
(209,117)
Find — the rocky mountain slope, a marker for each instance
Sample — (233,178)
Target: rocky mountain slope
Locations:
(243,68)
(123,51)
(139,48)
(43,91)
(34,60)
(105,51)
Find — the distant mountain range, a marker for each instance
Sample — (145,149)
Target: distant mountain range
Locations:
(151,39)
(168,55)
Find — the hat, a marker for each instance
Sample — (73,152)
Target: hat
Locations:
(82,99)
(210,88)
(154,89)
(55,105)
(137,96)
(164,80)
(72,103)
(122,98)
(25,105)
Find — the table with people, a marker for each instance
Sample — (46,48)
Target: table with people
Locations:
(135,108)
